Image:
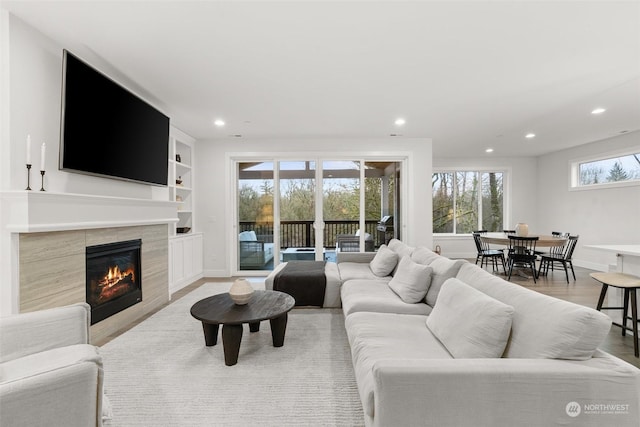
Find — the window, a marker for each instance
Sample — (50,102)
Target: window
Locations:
(607,171)
(280,201)
(464,201)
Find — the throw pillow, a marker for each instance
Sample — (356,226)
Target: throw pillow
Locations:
(411,281)
(383,262)
(400,248)
(424,256)
(443,269)
(470,324)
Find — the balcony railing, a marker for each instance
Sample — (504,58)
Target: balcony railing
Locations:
(300,234)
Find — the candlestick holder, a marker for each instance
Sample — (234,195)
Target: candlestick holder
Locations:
(28,176)
(42,185)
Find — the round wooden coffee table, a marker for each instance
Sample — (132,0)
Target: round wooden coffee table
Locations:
(221,310)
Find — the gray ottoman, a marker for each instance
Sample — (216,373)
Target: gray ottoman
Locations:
(332,291)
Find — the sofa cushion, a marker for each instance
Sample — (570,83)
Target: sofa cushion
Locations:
(367,236)
(401,248)
(542,326)
(383,262)
(443,269)
(358,270)
(375,295)
(423,255)
(47,361)
(247,236)
(375,337)
(411,281)
(469,323)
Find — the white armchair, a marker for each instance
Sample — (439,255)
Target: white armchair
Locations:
(49,373)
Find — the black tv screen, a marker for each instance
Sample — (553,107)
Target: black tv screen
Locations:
(107,130)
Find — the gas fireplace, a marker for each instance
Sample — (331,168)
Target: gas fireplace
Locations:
(113,278)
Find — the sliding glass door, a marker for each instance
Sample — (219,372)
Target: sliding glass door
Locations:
(255,216)
(310,209)
(341,204)
(297,208)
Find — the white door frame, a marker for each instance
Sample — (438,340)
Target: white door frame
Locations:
(275,158)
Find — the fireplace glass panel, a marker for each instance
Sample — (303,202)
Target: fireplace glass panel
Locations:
(113,278)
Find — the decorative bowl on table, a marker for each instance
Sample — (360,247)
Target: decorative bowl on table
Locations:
(241,291)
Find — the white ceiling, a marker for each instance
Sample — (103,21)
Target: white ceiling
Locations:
(469,75)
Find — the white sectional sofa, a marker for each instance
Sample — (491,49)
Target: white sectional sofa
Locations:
(440,342)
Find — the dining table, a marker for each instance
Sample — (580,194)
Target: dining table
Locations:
(544,240)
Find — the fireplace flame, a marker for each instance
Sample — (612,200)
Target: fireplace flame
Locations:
(115,275)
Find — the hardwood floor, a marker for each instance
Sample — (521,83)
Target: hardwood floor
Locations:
(583,291)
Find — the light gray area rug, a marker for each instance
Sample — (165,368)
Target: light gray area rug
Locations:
(160,373)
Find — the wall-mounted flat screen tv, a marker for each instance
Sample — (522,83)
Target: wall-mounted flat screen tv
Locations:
(108,131)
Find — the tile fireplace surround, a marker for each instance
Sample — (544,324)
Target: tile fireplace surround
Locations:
(48,234)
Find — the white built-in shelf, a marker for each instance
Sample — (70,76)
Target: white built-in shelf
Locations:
(180,168)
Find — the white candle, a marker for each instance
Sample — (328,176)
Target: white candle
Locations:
(29,149)
(42,152)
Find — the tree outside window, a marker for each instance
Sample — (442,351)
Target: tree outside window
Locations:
(614,169)
(464,201)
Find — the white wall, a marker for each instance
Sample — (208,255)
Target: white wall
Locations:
(34,79)
(214,178)
(604,216)
(31,82)
(520,197)
(540,196)
(31,74)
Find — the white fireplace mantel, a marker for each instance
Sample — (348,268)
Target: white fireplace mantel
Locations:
(35,211)
(40,211)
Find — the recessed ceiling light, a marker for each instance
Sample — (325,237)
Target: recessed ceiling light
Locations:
(400,122)
(598,111)
(530,135)
(489,150)
(219,122)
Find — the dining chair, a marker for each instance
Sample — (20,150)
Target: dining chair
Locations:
(485,253)
(554,249)
(522,254)
(560,255)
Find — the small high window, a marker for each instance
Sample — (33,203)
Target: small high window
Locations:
(622,169)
